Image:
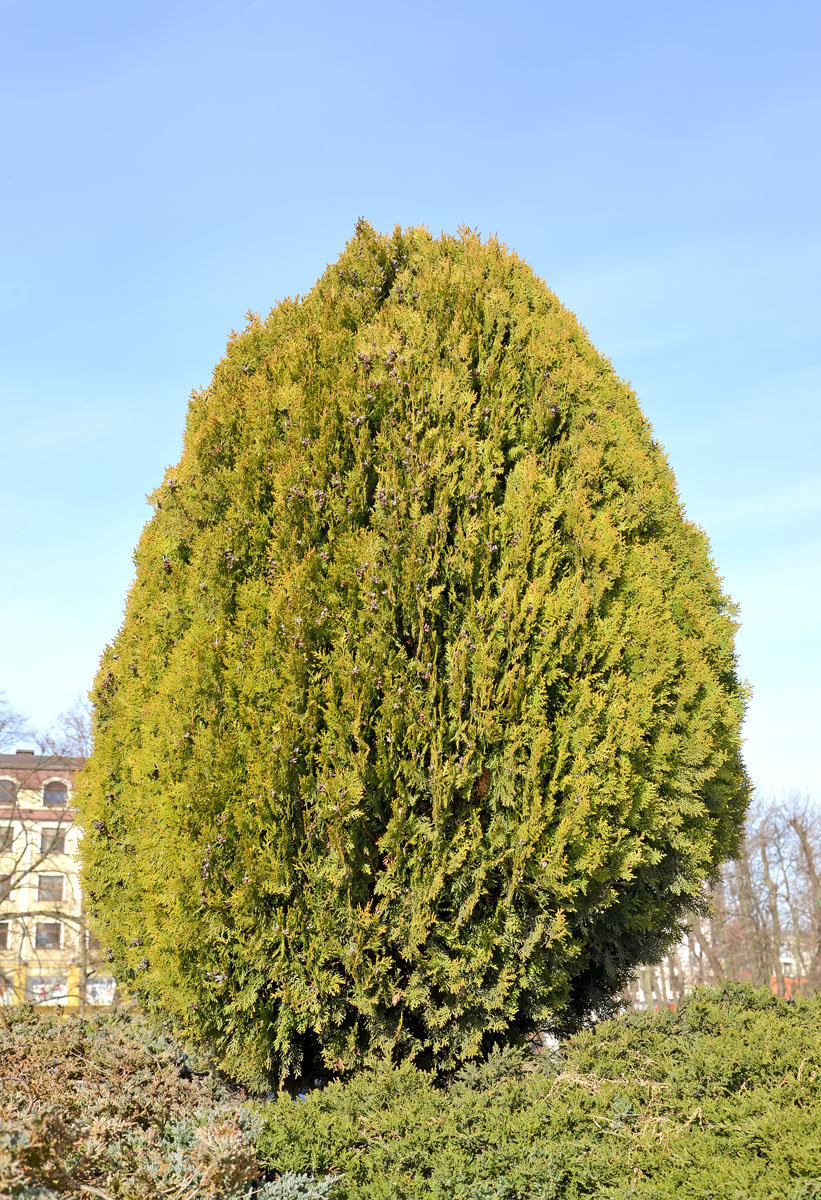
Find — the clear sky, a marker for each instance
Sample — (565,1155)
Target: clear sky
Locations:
(168,166)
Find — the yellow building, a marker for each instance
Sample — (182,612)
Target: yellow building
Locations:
(47,956)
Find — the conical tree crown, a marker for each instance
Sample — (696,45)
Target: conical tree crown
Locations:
(422,727)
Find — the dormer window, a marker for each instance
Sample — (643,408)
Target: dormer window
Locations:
(55,794)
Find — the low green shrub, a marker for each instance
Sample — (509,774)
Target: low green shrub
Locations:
(110,1107)
(719,1099)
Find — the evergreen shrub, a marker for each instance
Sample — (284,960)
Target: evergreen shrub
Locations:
(111,1107)
(422,727)
(111,1104)
(718,1099)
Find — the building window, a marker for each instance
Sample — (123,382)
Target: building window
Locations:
(100,990)
(6,837)
(52,840)
(55,794)
(5,935)
(47,935)
(5,887)
(8,791)
(51,990)
(49,887)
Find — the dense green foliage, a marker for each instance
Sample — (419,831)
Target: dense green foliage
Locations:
(422,727)
(720,1100)
(110,1107)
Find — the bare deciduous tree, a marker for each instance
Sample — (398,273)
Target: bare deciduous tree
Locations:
(70,735)
(14,728)
(763,920)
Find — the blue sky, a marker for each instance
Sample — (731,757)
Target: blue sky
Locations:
(167,167)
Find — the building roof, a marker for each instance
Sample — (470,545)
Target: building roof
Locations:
(25,760)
